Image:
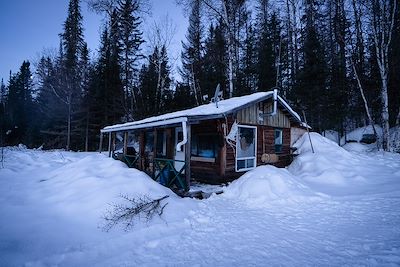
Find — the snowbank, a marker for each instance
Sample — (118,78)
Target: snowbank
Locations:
(332,135)
(51,203)
(333,170)
(330,171)
(267,184)
(82,185)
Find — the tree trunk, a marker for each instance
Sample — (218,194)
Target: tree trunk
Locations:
(371,122)
(382,27)
(230,43)
(69,125)
(385,113)
(398,118)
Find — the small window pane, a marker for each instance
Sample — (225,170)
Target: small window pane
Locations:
(278,140)
(205,145)
(278,137)
(250,163)
(241,164)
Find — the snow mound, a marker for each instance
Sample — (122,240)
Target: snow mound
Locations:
(267,184)
(329,165)
(332,135)
(82,185)
(97,181)
(333,170)
(320,144)
(360,148)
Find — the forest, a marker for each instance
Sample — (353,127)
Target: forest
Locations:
(337,61)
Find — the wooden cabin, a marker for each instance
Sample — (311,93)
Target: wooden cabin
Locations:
(212,143)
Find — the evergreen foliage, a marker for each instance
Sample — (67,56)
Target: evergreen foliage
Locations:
(306,48)
(193,54)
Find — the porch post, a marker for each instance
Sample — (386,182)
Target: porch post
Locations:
(187,154)
(141,150)
(101,142)
(153,167)
(125,142)
(109,144)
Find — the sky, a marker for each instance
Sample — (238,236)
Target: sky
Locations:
(30,27)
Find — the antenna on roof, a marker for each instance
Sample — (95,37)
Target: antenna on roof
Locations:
(217,96)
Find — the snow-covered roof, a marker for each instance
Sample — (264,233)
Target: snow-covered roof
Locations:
(202,112)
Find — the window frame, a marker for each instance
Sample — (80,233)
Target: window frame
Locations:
(195,145)
(278,147)
(254,158)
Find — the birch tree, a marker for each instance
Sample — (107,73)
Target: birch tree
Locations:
(382,14)
(227,12)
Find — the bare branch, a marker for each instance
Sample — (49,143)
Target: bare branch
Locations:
(141,208)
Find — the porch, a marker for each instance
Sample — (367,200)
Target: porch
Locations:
(162,150)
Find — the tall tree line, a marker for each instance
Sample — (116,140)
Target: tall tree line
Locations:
(335,60)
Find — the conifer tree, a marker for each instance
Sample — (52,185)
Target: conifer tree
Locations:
(246,81)
(311,85)
(155,84)
(72,44)
(215,61)
(3,98)
(192,54)
(130,40)
(20,106)
(268,52)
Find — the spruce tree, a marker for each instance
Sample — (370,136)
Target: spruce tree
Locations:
(192,54)
(20,106)
(215,62)
(72,44)
(155,82)
(311,85)
(268,52)
(130,40)
(3,98)
(246,81)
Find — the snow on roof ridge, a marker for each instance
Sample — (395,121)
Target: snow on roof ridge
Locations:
(224,106)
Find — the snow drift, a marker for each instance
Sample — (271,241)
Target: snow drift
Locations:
(335,171)
(51,203)
(268,184)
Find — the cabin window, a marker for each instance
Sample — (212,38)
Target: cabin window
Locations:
(132,144)
(149,141)
(204,145)
(246,148)
(278,140)
(161,144)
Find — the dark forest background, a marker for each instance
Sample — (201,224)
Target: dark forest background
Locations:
(338,61)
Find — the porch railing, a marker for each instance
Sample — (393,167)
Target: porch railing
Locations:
(130,160)
(167,175)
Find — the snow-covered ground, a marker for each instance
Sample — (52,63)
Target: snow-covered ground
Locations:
(337,206)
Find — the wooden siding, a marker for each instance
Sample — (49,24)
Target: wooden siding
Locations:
(265,145)
(279,120)
(249,115)
(253,115)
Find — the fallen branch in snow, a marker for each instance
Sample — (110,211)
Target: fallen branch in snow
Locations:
(141,208)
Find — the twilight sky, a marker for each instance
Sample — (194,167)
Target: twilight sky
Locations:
(28,27)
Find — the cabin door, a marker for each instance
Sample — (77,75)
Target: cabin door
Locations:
(179,155)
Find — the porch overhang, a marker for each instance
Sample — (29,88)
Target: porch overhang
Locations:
(143,125)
